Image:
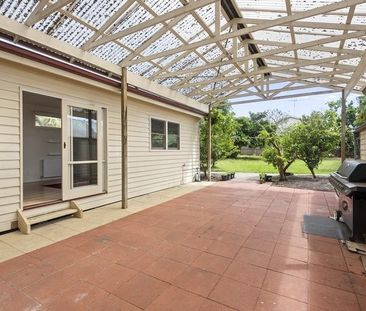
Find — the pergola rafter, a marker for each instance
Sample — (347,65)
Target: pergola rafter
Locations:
(266,25)
(209,50)
(281,50)
(44,9)
(275,81)
(296,65)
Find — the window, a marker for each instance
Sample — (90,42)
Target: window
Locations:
(158,136)
(165,135)
(47,121)
(173,136)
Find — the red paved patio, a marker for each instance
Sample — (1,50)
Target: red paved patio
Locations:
(233,245)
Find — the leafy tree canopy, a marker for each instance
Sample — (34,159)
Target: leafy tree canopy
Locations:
(312,139)
(223,131)
(276,153)
(361,113)
(249,128)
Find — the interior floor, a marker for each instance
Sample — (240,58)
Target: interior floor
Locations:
(35,193)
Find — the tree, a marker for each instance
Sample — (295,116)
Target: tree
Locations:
(276,153)
(249,128)
(312,139)
(334,112)
(222,136)
(361,112)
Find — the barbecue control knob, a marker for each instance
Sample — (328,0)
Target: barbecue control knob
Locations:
(344,205)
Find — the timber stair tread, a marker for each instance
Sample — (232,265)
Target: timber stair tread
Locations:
(26,221)
(51,215)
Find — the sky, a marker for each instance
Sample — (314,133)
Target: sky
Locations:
(295,107)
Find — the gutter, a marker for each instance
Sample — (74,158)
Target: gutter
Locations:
(54,60)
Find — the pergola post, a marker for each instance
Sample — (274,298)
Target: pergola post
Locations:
(209,143)
(343,127)
(124,137)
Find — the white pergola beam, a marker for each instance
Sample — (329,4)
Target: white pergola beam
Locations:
(295,78)
(217,17)
(225,83)
(276,22)
(110,21)
(287,88)
(351,11)
(276,10)
(284,97)
(268,69)
(193,5)
(151,40)
(43,9)
(320,48)
(289,47)
(303,24)
(304,61)
(359,72)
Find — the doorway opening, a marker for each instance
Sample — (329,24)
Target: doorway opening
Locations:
(42,150)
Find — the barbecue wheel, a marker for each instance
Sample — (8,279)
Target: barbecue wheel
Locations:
(338,215)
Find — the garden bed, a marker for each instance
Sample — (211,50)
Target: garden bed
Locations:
(321,183)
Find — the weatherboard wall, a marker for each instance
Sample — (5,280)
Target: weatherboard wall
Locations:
(148,170)
(363,144)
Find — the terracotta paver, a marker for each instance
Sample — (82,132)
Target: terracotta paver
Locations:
(197,281)
(231,246)
(212,263)
(274,302)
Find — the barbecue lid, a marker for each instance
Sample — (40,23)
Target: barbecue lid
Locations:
(353,170)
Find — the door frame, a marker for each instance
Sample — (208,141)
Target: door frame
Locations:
(62,97)
(68,192)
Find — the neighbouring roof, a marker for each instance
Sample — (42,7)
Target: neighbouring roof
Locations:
(360,128)
(209,50)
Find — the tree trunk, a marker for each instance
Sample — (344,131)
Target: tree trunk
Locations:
(282,175)
(282,172)
(288,165)
(312,172)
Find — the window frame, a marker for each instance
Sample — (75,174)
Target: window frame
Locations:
(166,123)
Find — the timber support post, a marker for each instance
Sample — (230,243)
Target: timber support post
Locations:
(124,138)
(343,127)
(209,143)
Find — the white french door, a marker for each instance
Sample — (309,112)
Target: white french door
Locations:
(82,153)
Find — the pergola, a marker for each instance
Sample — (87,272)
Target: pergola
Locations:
(228,51)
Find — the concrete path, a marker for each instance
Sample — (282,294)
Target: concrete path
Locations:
(231,246)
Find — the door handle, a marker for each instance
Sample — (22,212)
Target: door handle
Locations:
(64,145)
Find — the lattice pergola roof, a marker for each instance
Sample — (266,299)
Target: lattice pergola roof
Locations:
(209,50)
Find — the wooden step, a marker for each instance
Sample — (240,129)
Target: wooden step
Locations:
(53,215)
(25,221)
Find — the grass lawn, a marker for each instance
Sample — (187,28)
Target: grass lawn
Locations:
(253,164)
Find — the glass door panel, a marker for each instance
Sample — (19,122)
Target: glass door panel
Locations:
(83,147)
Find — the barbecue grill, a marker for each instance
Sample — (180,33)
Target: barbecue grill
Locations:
(349,183)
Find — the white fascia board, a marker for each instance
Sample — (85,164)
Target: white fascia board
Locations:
(163,91)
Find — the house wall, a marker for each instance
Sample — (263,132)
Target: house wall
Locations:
(363,144)
(148,170)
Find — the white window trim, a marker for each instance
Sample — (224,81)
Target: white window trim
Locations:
(166,134)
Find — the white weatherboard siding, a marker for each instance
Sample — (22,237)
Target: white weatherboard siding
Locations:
(152,170)
(148,170)
(363,144)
